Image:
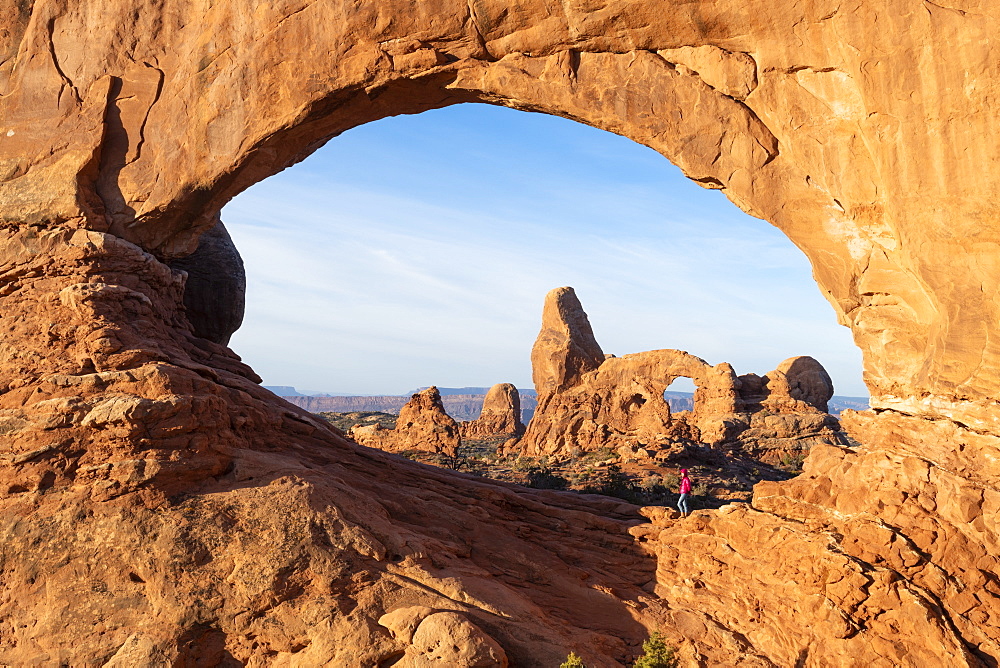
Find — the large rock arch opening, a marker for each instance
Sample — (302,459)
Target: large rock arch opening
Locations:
(126,129)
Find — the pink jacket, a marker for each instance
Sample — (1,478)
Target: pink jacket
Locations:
(685,485)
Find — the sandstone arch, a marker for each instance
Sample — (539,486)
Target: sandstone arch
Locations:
(865,132)
(589,401)
(797,136)
(627,391)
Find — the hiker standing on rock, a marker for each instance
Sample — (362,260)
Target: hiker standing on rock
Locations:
(682,503)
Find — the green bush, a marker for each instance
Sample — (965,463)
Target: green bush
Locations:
(653,484)
(601,455)
(656,654)
(542,477)
(473,465)
(793,462)
(672,481)
(615,482)
(572,661)
(523,464)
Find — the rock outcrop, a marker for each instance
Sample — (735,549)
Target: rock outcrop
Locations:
(216,285)
(441,638)
(619,402)
(423,425)
(565,349)
(501,415)
(159,507)
(798,384)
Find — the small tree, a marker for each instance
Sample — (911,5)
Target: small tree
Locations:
(572,661)
(656,654)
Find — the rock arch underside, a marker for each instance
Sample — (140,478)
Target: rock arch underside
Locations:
(161,508)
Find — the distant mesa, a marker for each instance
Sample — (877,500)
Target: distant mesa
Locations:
(470,391)
(459,406)
(284,390)
(289,391)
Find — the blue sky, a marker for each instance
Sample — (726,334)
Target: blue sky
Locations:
(417,250)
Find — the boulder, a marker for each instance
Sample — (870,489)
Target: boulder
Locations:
(500,416)
(435,638)
(423,424)
(799,384)
(215,290)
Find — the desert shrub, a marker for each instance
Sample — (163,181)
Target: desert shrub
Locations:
(653,484)
(524,464)
(700,490)
(572,661)
(473,465)
(542,477)
(793,461)
(614,482)
(656,654)
(672,481)
(601,455)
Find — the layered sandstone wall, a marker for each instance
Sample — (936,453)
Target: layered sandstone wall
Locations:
(806,115)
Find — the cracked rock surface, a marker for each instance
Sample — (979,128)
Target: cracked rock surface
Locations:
(159,507)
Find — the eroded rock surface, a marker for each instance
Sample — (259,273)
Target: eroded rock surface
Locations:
(619,402)
(175,512)
(501,415)
(423,424)
(216,285)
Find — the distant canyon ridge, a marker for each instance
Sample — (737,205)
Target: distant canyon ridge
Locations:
(466,403)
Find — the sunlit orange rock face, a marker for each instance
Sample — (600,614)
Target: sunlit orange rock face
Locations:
(159,507)
(588,400)
(422,424)
(500,416)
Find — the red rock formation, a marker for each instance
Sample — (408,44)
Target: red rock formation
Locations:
(422,425)
(565,349)
(501,415)
(619,403)
(786,411)
(459,406)
(799,384)
(161,508)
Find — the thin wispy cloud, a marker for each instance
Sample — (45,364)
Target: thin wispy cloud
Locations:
(418,250)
